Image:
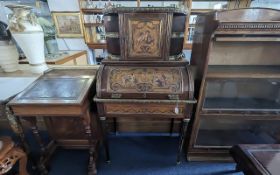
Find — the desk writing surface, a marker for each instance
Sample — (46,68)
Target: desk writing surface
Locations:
(55,89)
(64,85)
(61,90)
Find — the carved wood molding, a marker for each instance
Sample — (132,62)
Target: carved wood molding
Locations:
(249,26)
(144,9)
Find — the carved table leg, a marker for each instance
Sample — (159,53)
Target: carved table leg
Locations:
(92,155)
(17,128)
(105,141)
(182,139)
(35,131)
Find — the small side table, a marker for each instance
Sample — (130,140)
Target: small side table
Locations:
(259,159)
(56,97)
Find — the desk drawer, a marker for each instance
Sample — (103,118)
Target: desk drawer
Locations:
(176,110)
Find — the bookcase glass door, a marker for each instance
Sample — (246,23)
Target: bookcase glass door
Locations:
(223,132)
(242,94)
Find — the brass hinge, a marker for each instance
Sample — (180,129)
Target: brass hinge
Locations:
(173,97)
(116,95)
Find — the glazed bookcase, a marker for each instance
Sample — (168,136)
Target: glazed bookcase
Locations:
(237,82)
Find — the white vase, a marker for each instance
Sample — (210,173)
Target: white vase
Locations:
(8,57)
(29,36)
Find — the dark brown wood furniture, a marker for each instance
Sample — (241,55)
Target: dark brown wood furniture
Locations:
(62,98)
(257,159)
(145,76)
(237,76)
(130,38)
(9,155)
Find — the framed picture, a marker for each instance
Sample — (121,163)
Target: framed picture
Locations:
(68,24)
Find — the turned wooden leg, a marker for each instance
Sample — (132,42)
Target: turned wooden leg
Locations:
(33,123)
(35,132)
(105,141)
(89,132)
(182,139)
(171,127)
(115,126)
(17,128)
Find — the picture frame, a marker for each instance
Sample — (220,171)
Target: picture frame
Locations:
(68,24)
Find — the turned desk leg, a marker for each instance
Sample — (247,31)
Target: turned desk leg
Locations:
(115,126)
(35,132)
(17,128)
(182,139)
(92,155)
(171,126)
(105,141)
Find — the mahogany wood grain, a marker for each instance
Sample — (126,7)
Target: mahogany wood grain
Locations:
(145,80)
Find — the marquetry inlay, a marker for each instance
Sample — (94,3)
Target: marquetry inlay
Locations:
(144,80)
(144,38)
(143,109)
